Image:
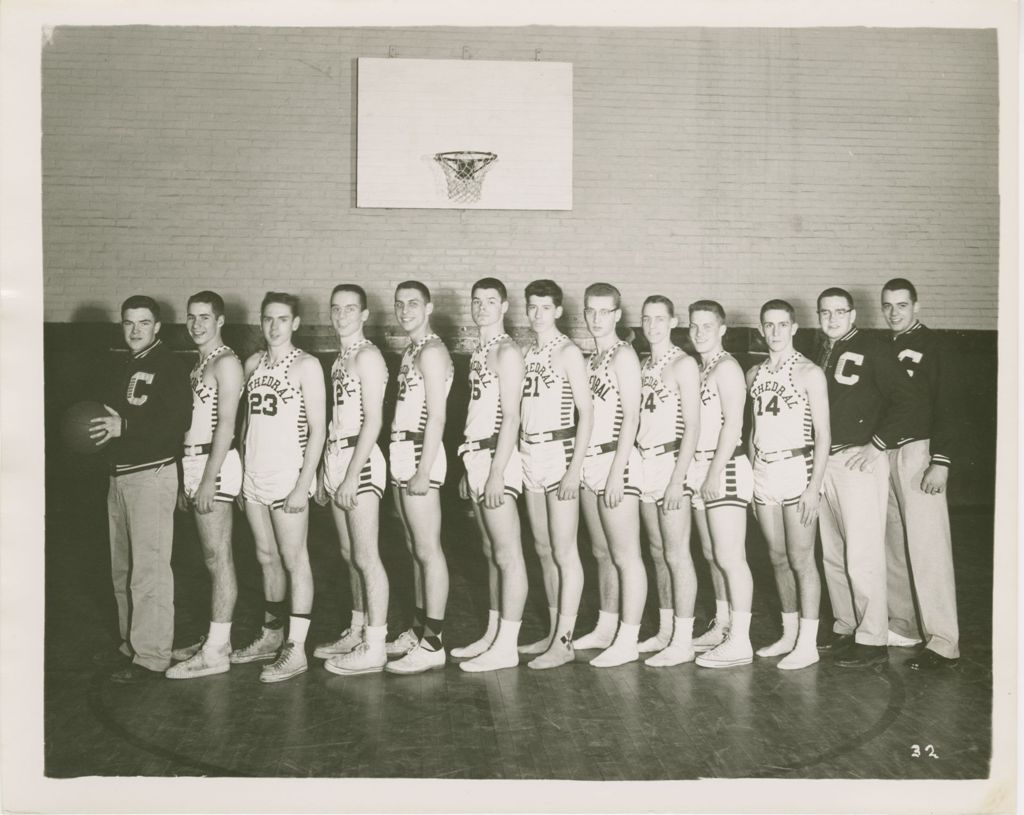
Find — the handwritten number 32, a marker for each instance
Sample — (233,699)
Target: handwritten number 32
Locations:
(916,751)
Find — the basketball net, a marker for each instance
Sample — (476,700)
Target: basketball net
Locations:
(464,170)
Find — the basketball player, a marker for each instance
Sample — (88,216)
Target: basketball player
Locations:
(919,549)
(212,473)
(870,402)
(553,445)
(667,438)
(284,436)
(612,474)
(722,487)
(148,407)
(789,447)
(418,468)
(353,480)
(494,473)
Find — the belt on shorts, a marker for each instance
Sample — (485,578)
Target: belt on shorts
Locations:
(345,443)
(598,449)
(199,449)
(407,435)
(658,449)
(781,455)
(707,455)
(471,446)
(550,435)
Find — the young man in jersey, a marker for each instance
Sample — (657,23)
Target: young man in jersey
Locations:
(149,411)
(612,473)
(212,473)
(553,444)
(494,473)
(919,548)
(870,402)
(284,436)
(722,486)
(353,477)
(789,446)
(418,468)
(667,438)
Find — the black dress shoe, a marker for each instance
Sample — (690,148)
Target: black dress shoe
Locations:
(863,656)
(930,661)
(839,644)
(134,674)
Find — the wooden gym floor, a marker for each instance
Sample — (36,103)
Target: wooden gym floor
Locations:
(575,722)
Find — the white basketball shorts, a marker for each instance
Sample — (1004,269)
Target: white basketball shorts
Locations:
(545,463)
(736,483)
(657,472)
(595,472)
(405,458)
(782,482)
(478,468)
(229,479)
(372,476)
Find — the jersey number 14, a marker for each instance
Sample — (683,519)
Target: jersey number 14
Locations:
(772,406)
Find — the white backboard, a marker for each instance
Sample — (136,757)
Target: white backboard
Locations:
(412,109)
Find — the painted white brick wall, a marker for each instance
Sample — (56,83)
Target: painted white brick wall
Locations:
(736,164)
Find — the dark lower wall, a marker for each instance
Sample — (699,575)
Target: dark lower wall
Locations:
(79,356)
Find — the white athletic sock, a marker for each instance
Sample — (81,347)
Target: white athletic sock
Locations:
(805,653)
(376,634)
(722,613)
(508,635)
(682,632)
(628,634)
(808,636)
(218,635)
(564,627)
(358,619)
(298,627)
(739,626)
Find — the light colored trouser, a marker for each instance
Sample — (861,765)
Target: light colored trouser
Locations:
(917,526)
(140,511)
(852,523)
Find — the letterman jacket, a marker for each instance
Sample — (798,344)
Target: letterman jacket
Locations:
(153,395)
(870,397)
(920,352)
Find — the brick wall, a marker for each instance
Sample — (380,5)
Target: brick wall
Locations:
(737,164)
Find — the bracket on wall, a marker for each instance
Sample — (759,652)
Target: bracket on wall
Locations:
(392,51)
(536,55)
(465,52)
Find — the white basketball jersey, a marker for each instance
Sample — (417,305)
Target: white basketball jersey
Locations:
(483,418)
(605,392)
(661,410)
(547,402)
(204,400)
(277,431)
(346,395)
(782,415)
(411,408)
(711,418)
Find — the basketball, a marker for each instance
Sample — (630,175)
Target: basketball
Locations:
(74,427)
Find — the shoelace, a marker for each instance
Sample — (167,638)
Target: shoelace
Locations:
(284,656)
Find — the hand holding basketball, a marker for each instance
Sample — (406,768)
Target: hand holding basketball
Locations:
(104,428)
(78,428)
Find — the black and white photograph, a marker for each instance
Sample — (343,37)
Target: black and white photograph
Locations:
(397,396)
